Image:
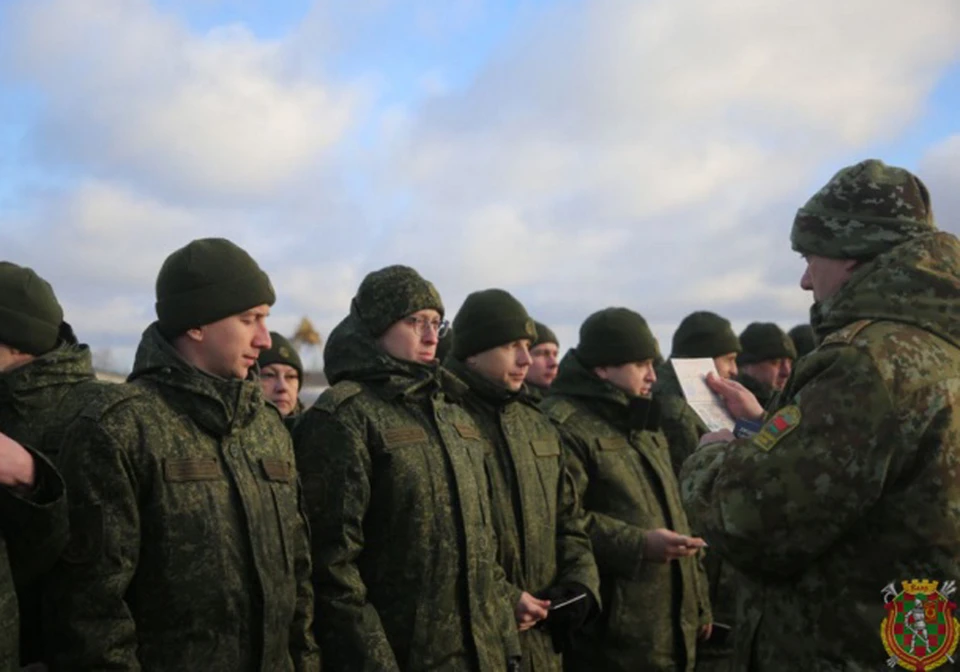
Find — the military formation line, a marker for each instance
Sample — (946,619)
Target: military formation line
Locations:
(465,498)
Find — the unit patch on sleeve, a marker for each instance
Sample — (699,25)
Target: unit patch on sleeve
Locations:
(782,423)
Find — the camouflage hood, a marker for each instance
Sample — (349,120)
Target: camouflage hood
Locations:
(31,385)
(352,353)
(574,379)
(216,404)
(916,283)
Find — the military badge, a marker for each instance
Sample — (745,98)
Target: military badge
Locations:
(782,423)
(920,630)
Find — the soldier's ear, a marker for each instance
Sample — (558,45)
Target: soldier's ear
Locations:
(196,335)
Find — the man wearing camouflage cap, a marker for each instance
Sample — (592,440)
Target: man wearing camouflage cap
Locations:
(393,470)
(766,361)
(545,361)
(850,484)
(701,334)
(542,543)
(41,363)
(281,375)
(187,548)
(652,585)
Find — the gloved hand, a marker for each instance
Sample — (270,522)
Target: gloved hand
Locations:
(564,621)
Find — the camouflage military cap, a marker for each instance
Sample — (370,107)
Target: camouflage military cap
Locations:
(864,210)
(762,341)
(392,293)
(281,352)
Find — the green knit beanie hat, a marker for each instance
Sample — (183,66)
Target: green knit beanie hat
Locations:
(863,211)
(487,319)
(544,335)
(803,340)
(281,352)
(615,336)
(704,334)
(205,281)
(390,294)
(30,315)
(765,340)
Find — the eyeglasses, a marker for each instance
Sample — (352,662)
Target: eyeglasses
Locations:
(421,324)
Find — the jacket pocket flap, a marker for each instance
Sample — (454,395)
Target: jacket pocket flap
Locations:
(466,430)
(276,470)
(612,443)
(192,469)
(545,447)
(403,436)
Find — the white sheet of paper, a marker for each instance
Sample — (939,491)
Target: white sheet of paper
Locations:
(692,374)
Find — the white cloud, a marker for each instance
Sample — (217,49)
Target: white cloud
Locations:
(648,154)
(132,94)
(940,171)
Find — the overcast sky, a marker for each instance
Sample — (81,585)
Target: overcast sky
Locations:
(646,153)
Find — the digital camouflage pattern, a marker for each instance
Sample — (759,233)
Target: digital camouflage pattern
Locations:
(864,210)
(390,294)
(188,550)
(541,535)
(404,557)
(679,423)
(37,402)
(852,483)
(34,529)
(621,469)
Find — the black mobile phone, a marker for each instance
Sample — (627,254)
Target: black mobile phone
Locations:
(720,634)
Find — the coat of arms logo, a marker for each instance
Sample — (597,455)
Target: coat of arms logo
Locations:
(920,630)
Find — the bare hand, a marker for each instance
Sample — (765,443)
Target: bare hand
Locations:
(719,436)
(663,545)
(530,610)
(705,632)
(16,464)
(739,400)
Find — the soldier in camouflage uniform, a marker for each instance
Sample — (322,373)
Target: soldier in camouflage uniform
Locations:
(187,548)
(803,340)
(652,585)
(851,483)
(542,543)
(281,376)
(40,362)
(545,353)
(700,334)
(393,470)
(766,361)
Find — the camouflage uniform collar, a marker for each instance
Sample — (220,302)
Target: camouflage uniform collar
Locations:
(218,405)
(915,283)
(667,383)
(65,364)
(763,392)
(486,391)
(606,400)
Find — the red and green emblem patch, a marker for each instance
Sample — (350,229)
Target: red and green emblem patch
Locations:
(782,423)
(920,631)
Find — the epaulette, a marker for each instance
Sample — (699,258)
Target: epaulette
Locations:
(333,397)
(561,411)
(104,397)
(846,335)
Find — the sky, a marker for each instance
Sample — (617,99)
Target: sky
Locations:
(639,153)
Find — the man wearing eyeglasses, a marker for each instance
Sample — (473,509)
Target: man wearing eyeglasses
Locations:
(543,544)
(405,570)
